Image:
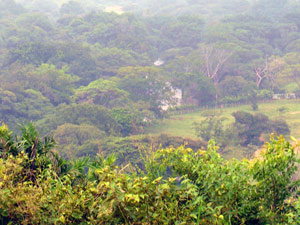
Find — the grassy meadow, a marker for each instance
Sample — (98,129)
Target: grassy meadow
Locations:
(182,125)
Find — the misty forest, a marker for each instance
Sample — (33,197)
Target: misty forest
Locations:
(150,112)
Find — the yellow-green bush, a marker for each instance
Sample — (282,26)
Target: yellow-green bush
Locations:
(178,186)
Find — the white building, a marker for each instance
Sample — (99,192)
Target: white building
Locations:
(159,62)
(176,99)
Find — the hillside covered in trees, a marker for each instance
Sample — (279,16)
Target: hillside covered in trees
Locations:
(94,78)
(83,84)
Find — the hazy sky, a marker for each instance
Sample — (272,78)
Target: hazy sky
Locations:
(58,2)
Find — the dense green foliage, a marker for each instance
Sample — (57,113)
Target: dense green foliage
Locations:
(95,75)
(247,130)
(176,186)
(67,65)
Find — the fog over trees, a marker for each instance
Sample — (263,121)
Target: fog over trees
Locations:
(123,66)
(128,88)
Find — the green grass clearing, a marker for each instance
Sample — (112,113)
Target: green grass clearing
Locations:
(116,9)
(182,125)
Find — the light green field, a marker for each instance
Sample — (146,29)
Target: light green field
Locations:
(182,125)
(116,9)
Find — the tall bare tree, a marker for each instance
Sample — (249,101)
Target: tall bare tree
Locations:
(268,70)
(215,58)
(261,72)
(214,61)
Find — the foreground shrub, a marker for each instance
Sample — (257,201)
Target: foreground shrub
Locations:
(177,186)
